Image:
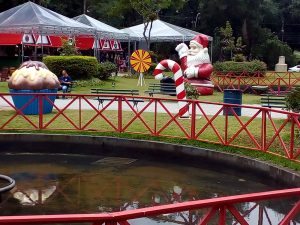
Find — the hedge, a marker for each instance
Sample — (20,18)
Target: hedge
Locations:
(78,67)
(250,68)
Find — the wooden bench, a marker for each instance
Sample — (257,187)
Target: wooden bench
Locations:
(101,99)
(273,101)
(161,88)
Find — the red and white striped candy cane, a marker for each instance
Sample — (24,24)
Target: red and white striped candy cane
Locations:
(179,82)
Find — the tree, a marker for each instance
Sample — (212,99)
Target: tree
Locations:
(149,10)
(227,40)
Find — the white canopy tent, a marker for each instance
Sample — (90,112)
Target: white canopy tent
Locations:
(32,18)
(162,32)
(102,29)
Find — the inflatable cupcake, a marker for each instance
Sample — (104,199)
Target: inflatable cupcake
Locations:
(33,77)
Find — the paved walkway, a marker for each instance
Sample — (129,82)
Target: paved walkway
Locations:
(209,109)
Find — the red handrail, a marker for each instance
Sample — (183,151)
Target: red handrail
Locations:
(213,206)
(245,82)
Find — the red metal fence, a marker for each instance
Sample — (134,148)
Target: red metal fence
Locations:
(222,210)
(276,82)
(267,130)
(258,128)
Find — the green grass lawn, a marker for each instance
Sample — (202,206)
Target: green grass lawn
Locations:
(138,130)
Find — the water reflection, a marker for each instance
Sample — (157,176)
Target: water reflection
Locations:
(44,182)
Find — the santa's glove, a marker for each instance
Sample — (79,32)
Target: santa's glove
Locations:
(182,50)
(191,72)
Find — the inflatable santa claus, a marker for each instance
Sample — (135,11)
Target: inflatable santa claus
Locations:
(196,64)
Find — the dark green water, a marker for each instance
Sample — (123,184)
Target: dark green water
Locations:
(63,184)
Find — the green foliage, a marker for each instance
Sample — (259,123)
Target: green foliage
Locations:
(191,91)
(293,100)
(151,69)
(94,82)
(227,40)
(68,48)
(270,48)
(78,67)
(238,58)
(104,70)
(239,67)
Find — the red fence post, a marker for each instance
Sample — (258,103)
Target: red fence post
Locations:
(120,114)
(263,130)
(40,106)
(155,118)
(292,143)
(80,112)
(193,121)
(226,125)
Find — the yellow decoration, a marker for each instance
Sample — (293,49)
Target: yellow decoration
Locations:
(140,60)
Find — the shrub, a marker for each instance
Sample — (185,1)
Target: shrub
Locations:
(68,48)
(94,82)
(104,70)
(238,67)
(191,91)
(293,100)
(78,67)
(239,58)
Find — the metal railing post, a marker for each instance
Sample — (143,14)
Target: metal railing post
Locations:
(40,107)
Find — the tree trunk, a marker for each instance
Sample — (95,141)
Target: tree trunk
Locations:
(146,24)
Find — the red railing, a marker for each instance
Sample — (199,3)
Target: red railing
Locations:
(221,210)
(272,131)
(258,128)
(277,82)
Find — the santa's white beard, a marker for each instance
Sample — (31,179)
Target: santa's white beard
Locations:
(200,58)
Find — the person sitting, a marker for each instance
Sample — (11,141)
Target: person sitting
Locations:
(65,81)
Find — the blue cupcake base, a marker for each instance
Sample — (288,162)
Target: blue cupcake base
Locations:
(33,107)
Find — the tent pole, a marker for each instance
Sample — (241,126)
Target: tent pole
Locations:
(128,63)
(42,44)
(95,45)
(22,48)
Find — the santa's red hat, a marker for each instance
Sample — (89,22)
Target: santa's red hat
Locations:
(200,40)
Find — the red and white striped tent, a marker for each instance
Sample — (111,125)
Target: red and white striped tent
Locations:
(81,42)
(30,39)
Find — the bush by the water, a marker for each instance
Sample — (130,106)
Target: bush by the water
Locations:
(249,68)
(78,67)
(104,70)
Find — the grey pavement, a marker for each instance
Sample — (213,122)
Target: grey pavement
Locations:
(209,109)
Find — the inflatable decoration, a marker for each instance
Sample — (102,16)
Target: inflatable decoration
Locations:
(196,67)
(195,63)
(179,82)
(33,77)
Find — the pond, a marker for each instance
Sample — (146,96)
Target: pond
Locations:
(64,184)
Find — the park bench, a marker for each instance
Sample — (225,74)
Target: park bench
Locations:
(161,88)
(273,101)
(101,99)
